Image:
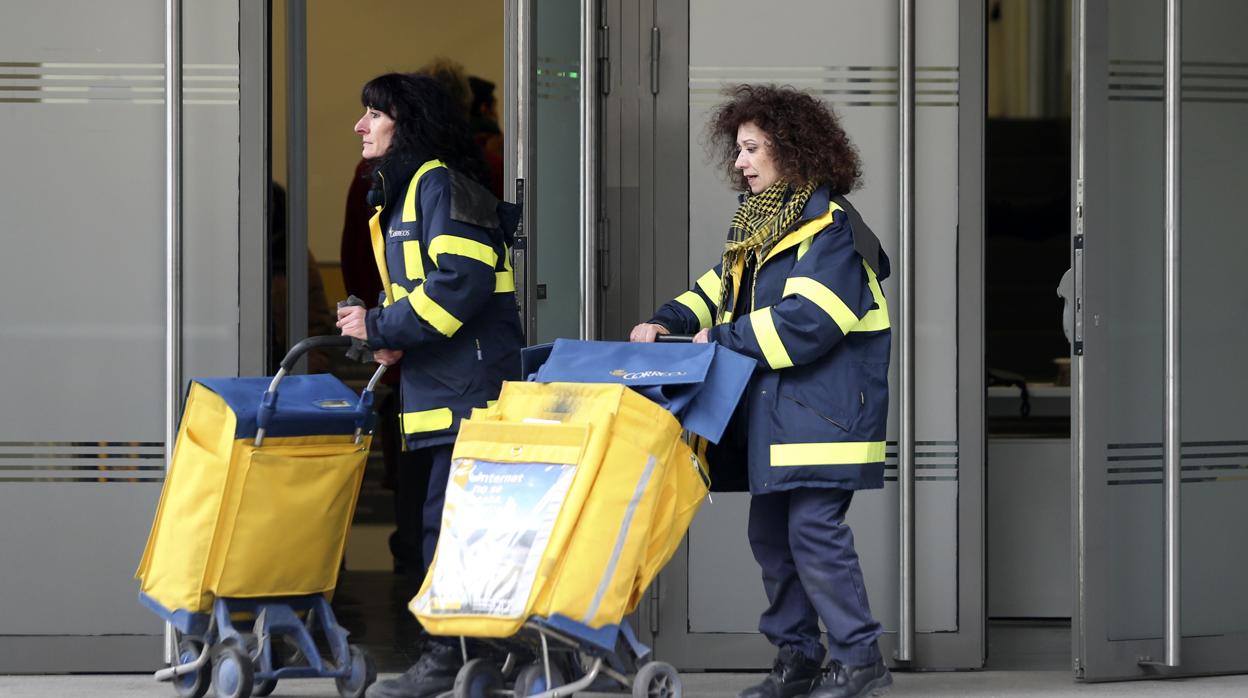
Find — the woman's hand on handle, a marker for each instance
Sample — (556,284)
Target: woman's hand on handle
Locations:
(702,337)
(388,357)
(351,322)
(646,332)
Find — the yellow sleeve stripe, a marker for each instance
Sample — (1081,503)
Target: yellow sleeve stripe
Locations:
(711,286)
(464,247)
(504,281)
(397,292)
(823,297)
(427,420)
(831,453)
(877,318)
(694,302)
(409,202)
(413,262)
(432,313)
(768,339)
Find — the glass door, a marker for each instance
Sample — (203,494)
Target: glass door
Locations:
(1160,587)
(551,114)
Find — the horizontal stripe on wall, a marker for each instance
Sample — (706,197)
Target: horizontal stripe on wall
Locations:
(82,461)
(1206,82)
(24,82)
(1201,461)
(868,86)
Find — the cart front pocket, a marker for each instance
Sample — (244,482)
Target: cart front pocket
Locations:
(289,529)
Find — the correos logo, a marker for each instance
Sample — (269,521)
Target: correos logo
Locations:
(640,375)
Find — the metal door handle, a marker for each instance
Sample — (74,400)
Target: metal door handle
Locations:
(905,441)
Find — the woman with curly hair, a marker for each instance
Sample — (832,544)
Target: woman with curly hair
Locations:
(449,315)
(798,290)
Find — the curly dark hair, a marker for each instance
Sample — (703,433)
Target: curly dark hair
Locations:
(428,123)
(807,141)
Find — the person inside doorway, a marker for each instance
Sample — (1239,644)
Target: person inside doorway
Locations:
(798,289)
(450,319)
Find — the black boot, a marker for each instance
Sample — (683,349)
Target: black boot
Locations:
(792,676)
(854,681)
(432,674)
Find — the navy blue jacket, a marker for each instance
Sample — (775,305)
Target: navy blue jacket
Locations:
(816,408)
(450,298)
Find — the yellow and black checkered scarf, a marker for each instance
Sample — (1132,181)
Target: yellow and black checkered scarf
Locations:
(759,223)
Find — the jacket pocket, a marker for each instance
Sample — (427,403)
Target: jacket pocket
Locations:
(452,363)
(818,402)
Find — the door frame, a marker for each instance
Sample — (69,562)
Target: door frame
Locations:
(665,610)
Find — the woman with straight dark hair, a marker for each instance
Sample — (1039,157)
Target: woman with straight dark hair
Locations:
(798,289)
(449,316)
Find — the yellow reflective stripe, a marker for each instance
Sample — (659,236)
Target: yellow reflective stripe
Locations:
(823,297)
(379,252)
(694,302)
(711,286)
(768,340)
(727,317)
(409,202)
(806,232)
(397,292)
(427,420)
(413,263)
(432,313)
(464,247)
(505,281)
(803,248)
(877,318)
(830,453)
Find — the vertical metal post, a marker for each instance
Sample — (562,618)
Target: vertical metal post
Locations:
(905,444)
(589,172)
(296,177)
(1172,437)
(173,238)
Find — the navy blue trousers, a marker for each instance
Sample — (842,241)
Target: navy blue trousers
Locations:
(439,474)
(811,572)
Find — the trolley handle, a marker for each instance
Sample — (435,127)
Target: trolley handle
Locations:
(674,338)
(363,409)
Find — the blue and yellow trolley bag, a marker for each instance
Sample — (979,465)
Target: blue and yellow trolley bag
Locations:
(565,499)
(252,524)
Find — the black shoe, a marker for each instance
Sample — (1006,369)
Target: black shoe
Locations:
(792,676)
(432,674)
(854,681)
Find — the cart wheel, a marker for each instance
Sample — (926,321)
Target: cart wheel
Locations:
(363,674)
(657,680)
(532,679)
(478,679)
(194,684)
(264,687)
(231,672)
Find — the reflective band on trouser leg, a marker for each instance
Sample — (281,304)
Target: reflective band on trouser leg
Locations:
(829,453)
(432,313)
(711,285)
(877,318)
(427,420)
(464,247)
(823,297)
(694,302)
(413,263)
(768,339)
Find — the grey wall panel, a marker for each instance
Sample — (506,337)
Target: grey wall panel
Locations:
(81,454)
(69,569)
